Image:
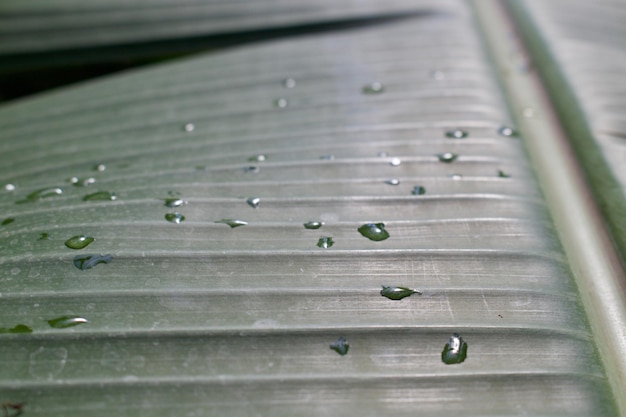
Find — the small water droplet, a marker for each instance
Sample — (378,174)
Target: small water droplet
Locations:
(456,176)
(313,225)
(456,134)
(374,88)
(44,236)
(528,113)
(20,328)
(418,190)
(84,182)
(174,202)
(8,220)
(79,241)
(100,196)
(341,346)
(41,194)
(9,187)
(189,127)
(503,174)
(397,293)
(258,158)
(289,83)
(328,157)
(507,131)
(325,242)
(447,157)
(393,181)
(253,169)
(395,162)
(100,167)
(232,222)
(85,262)
(174,218)
(374,231)
(455,351)
(253,202)
(438,75)
(67,321)
(280,103)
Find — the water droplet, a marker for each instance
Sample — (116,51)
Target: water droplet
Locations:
(313,225)
(174,202)
(455,351)
(253,202)
(258,158)
(438,75)
(8,220)
(9,187)
(44,236)
(395,162)
(447,157)
(20,328)
(341,346)
(67,321)
(456,134)
(189,127)
(397,293)
(289,83)
(418,190)
(41,194)
(328,157)
(325,242)
(79,241)
(456,176)
(503,174)
(280,103)
(528,113)
(174,218)
(507,131)
(100,167)
(232,222)
(253,169)
(89,261)
(373,88)
(374,231)
(100,196)
(393,181)
(84,182)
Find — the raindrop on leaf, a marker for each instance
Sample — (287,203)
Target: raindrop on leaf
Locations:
(325,242)
(253,202)
(373,88)
(100,196)
(341,346)
(85,262)
(79,242)
(374,231)
(456,134)
(313,225)
(397,293)
(174,218)
(447,157)
(67,321)
(232,222)
(418,190)
(455,351)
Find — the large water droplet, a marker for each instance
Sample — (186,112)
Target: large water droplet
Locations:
(395,162)
(20,328)
(258,158)
(189,127)
(8,220)
(393,181)
(79,241)
(313,225)
(289,83)
(456,134)
(325,242)
(9,187)
(455,351)
(281,103)
(374,231)
(232,222)
(82,182)
(447,157)
(100,196)
(507,131)
(253,202)
(67,321)
(341,346)
(174,202)
(174,217)
(89,261)
(373,88)
(397,293)
(418,190)
(41,194)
